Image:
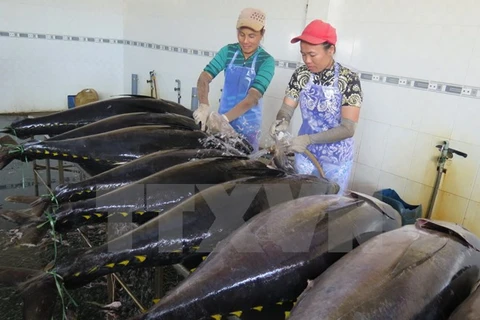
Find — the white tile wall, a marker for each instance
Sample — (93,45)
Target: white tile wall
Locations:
(424,159)
(472,217)
(399,151)
(450,207)
(38,74)
(374,143)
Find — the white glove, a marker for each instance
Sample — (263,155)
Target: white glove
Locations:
(201,114)
(218,123)
(277,127)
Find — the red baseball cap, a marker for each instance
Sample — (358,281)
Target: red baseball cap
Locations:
(317,32)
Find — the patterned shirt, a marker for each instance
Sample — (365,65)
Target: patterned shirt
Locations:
(348,82)
(264,66)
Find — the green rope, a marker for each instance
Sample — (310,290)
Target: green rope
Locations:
(59,284)
(18,148)
(12,130)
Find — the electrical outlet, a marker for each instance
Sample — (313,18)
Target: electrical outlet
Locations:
(402,81)
(432,86)
(467,91)
(375,77)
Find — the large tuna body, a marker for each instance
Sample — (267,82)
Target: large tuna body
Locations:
(100,152)
(272,257)
(421,271)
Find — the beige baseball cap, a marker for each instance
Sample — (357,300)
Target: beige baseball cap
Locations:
(251,18)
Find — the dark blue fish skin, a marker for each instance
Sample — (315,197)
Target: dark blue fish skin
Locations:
(63,121)
(122,175)
(120,121)
(101,152)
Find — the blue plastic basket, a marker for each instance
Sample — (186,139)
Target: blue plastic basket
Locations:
(409,213)
(71,101)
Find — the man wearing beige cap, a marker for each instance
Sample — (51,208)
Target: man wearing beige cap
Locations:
(249,70)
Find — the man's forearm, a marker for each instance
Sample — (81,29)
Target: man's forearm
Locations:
(246,104)
(203,87)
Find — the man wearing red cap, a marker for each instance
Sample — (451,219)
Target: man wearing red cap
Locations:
(330,98)
(249,69)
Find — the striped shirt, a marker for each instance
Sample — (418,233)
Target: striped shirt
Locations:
(264,66)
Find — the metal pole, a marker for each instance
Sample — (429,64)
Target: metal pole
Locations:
(194,103)
(35,178)
(440,171)
(48,173)
(61,177)
(134,83)
(178,89)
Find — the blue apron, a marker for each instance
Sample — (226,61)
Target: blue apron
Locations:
(321,108)
(238,80)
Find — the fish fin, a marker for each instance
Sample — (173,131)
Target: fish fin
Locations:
(8,140)
(6,143)
(14,276)
(452,229)
(386,209)
(22,199)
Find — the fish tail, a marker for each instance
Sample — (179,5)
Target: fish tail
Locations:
(32,231)
(39,206)
(6,156)
(20,217)
(23,199)
(39,293)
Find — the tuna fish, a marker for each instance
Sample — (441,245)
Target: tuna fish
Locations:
(63,121)
(100,152)
(191,227)
(117,177)
(146,198)
(421,271)
(272,257)
(121,121)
